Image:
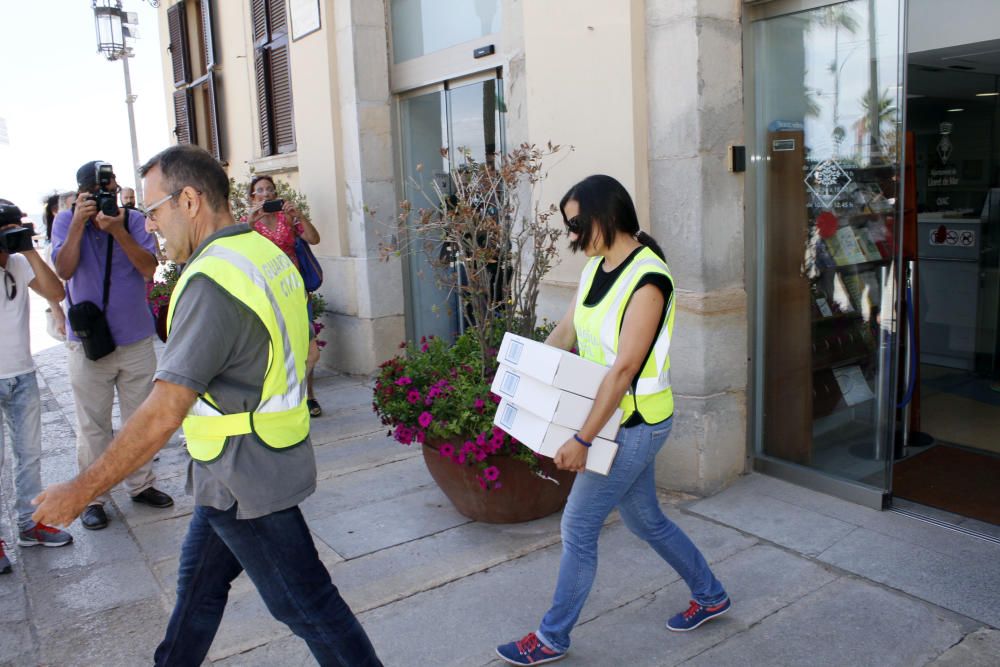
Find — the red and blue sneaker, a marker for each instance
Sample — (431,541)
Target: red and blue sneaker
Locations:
(697,614)
(528,651)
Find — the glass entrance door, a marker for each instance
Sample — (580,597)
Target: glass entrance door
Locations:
(437,127)
(825,165)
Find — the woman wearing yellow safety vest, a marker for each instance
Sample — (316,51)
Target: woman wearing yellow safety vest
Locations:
(622,317)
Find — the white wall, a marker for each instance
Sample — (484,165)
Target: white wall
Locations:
(581,62)
(938,24)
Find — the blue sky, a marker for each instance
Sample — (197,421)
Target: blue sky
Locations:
(64,104)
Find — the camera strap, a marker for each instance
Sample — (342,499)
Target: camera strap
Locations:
(107,276)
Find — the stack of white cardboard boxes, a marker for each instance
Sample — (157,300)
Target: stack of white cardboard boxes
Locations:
(546,394)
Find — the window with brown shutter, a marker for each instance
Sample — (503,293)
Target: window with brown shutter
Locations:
(275,111)
(197,93)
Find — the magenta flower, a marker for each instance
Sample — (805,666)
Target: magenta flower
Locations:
(425,419)
(413,396)
(447,449)
(479,405)
(405,380)
(491,473)
(404,434)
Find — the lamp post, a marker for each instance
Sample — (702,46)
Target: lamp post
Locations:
(108,22)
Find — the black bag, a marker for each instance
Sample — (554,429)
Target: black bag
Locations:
(90,323)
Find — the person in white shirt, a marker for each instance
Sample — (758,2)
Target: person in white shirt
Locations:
(22,267)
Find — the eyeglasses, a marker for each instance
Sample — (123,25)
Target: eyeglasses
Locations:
(264,191)
(573,224)
(9,286)
(149,210)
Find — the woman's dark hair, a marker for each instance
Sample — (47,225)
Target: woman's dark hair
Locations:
(51,208)
(257,179)
(604,203)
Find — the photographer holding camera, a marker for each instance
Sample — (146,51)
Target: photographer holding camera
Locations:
(22,267)
(105,255)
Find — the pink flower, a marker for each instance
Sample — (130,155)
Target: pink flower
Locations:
(424,347)
(482,482)
(425,419)
(413,396)
(491,473)
(404,434)
(403,381)
(447,449)
(494,398)
(479,405)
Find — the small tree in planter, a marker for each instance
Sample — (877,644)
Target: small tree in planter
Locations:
(492,227)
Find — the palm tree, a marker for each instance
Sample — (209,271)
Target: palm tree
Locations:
(884,116)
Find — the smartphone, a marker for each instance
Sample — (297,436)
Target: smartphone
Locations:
(272,206)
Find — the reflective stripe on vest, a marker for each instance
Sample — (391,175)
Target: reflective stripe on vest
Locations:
(597,328)
(257,273)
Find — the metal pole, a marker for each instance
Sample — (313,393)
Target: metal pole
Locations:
(129,99)
(908,285)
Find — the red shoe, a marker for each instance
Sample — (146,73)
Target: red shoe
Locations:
(4,561)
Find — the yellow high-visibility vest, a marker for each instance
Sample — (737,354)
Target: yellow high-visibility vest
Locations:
(256,272)
(597,328)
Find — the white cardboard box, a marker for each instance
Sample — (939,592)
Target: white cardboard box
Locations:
(554,405)
(546,438)
(551,366)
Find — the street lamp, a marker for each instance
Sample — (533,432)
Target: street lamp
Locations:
(110,22)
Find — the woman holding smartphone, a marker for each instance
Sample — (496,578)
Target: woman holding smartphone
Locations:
(621,317)
(281,223)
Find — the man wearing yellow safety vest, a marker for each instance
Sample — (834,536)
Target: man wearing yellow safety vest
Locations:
(622,318)
(233,375)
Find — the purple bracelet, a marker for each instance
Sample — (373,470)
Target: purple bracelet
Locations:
(576,436)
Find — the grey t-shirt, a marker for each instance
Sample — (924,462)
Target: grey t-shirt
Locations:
(219,345)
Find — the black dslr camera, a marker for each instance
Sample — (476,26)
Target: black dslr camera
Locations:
(106,198)
(17,239)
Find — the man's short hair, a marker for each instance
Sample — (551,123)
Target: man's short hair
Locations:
(189,165)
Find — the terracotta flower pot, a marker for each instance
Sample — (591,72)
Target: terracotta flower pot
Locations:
(522,496)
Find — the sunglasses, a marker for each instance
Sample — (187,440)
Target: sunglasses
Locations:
(573,224)
(9,286)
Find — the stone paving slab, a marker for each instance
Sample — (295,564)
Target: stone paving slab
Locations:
(112,545)
(848,622)
(387,523)
(508,600)
(121,636)
(364,487)
(967,586)
(16,644)
(137,514)
(795,527)
(359,453)
(748,489)
(978,649)
(346,423)
(760,580)
(91,590)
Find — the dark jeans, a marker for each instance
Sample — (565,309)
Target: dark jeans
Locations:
(280,558)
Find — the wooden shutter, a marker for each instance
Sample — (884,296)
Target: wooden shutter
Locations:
(207,38)
(183,122)
(214,136)
(177,27)
(263,112)
(277,19)
(281,99)
(258,12)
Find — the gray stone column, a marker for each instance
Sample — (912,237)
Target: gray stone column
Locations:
(694,75)
(365,293)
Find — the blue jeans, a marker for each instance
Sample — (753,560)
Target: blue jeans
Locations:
(280,558)
(630,485)
(21,407)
